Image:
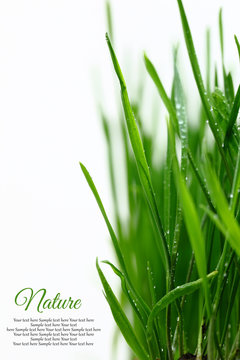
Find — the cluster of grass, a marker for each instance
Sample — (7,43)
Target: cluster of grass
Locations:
(178,254)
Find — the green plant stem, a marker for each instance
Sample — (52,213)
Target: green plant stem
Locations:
(200,85)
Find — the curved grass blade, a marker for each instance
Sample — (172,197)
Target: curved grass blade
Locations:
(140,157)
(172,296)
(199,82)
(109,226)
(167,102)
(121,319)
(113,237)
(238,45)
(221,205)
(142,312)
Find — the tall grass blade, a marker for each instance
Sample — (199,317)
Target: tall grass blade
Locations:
(200,180)
(236,184)
(192,223)
(121,319)
(118,251)
(222,208)
(167,102)
(181,117)
(199,82)
(109,20)
(140,157)
(109,226)
(220,22)
(151,284)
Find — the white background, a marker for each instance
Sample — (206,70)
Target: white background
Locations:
(54,69)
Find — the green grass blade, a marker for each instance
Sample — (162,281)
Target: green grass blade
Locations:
(109,226)
(167,102)
(235,347)
(199,82)
(229,88)
(142,310)
(236,184)
(238,45)
(106,129)
(140,157)
(167,194)
(232,298)
(234,114)
(222,207)
(91,184)
(172,296)
(215,219)
(151,284)
(216,77)
(121,319)
(208,62)
(192,224)
(181,117)
(109,19)
(220,22)
(183,130)
(200,180)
